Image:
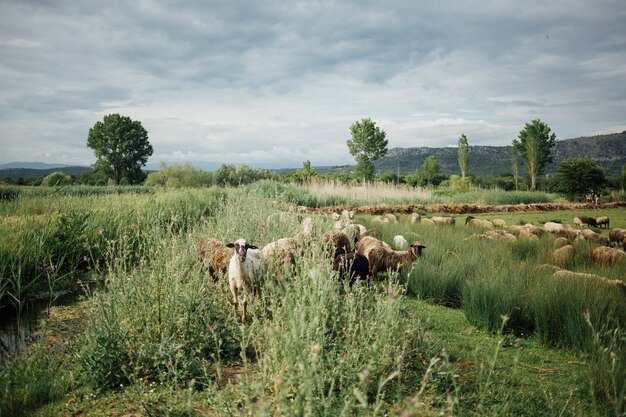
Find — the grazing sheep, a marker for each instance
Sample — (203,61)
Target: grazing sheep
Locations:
(559,242)
(591,236)
(515,228)
(547,268)
(385,259)
(427,221)
(608,256)
(308,229)
(379,220)
(280,252)
(443,220)
(391,218)
(214,256)
(553,227)
(347,216)
(578,222)
(244,273)
(362,229)
(618,284)
(353,232)
(602,221)
(415,218)
(617,235)
(567,233)
(529,230)
(367,243)
(474,222)
(335,216)
(375,233)
(589,221)
(493,235)
(563,256)
(499,223)
(337,242)
(399,242)
(351,266)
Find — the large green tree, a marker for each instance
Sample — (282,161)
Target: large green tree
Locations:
(463,156)
(579,175)
(367,144)
(430,172)
(534,143)
(121,147)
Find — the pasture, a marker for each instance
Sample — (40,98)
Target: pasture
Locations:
(469,329)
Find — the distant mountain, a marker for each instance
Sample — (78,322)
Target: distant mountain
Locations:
(609,151)
(31,165)
(27,173)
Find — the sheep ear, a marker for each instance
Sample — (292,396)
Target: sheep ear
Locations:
(230,245)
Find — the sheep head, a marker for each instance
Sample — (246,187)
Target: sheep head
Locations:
(417,247)
(241,247)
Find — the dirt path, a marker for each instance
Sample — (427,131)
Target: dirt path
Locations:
(466,208)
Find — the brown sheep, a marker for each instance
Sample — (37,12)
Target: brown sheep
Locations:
(559,242)
(384,259)
(367,243)
(415,218)
(617,235)
(619,284)
(215,256)
(485,224)
(443,220)
(337,242)
(529,230)
(499,223)
(608,256)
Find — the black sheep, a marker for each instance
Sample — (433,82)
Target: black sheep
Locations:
(351,266)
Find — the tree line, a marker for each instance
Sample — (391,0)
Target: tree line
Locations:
(122,148)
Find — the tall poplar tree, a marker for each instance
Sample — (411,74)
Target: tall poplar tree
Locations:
(534,144)
(463,156)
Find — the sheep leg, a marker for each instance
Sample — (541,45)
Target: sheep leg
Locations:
(244,305)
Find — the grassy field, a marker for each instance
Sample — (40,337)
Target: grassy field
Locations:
(471,330)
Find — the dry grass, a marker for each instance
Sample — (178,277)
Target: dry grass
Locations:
(379,191)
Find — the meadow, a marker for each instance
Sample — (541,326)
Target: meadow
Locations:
(471,329)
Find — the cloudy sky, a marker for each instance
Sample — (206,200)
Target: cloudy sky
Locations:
(275,83)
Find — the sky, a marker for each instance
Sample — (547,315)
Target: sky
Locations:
(276,83)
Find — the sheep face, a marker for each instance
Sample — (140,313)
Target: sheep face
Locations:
(417,247)
(241,247)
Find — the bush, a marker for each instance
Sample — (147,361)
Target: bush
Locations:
(57,179)
(179,175)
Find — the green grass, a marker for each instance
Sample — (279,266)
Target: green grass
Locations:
(161,339)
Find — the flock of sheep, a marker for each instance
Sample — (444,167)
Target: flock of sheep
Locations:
(358,253)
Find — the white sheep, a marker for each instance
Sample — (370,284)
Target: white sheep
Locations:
(415,218)
(499,223)
(553,227)
(578,222)
(443,220)
(280,252)
(602,221)
(399,242)
(245,272)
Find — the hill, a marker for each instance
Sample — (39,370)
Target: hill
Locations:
(26,173)
(609,151)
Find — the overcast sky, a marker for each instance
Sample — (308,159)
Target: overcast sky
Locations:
(275,83)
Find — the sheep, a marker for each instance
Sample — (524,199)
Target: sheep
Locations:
(617,235)
(493,235)
(443,220)
(472,221)
(351,266)
(390,217)
(415,218)
(559,242)
(578,222)
(308,228)
(353,232)
(244,273)
(618,284)
(335,216)
(367,243)
(214,256)
(280,252)
(427,221)
(375,233)
(602,221)
(382,258)
(379,220)
(399,242)
(553,227)
(529,230)
(592,236)
(608,256)
(337,242)
(589,221)
(563,256)
(499,223)
(347,216)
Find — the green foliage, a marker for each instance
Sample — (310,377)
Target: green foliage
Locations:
(463,156)
(305,174)
(121,147)
(229,175)
(284,192)
(622,178)
(32,381)
(577,176)
(430,173)
(534,144)
(367,144)
(179,175)
(57,178)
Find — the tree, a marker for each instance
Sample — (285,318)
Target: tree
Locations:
(534,144)
(430,172)
(622,177)
(179,175)
(57,178)
(368,143)
(305,174)
(463,156)
(121,147)
(579,175)
(515,165)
